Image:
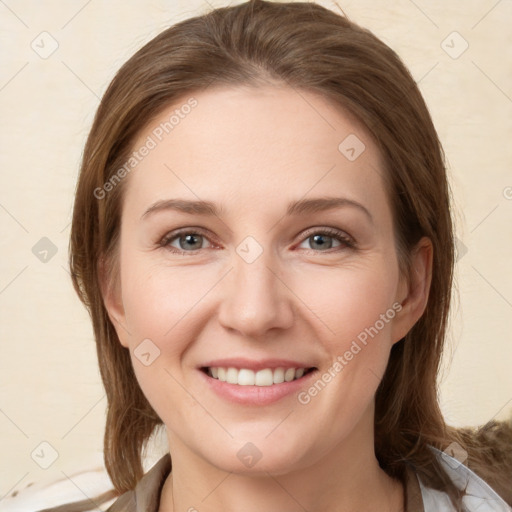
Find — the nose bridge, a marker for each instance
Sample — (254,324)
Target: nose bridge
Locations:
(255,278)
(254,298)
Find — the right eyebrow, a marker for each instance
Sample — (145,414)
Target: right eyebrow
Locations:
(185,206)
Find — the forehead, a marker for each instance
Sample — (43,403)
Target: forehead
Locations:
(249,143)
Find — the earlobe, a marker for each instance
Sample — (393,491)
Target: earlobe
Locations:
(418,289)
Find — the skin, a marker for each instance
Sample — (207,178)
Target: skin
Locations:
(252,151)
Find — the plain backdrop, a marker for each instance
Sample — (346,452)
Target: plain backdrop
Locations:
(57,58)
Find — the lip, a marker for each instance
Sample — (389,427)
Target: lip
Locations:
(253,365)
(256,395)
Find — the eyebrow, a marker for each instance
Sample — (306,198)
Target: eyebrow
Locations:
(301,207)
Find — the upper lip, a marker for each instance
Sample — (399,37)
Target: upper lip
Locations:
(254,365)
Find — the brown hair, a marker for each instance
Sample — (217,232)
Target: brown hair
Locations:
(307,47)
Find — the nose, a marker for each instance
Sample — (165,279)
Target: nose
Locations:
(255,298)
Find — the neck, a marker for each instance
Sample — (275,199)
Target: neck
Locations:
(346,479)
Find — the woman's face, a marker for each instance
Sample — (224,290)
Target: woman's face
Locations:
(256,245)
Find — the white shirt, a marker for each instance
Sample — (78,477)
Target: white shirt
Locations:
(479,497)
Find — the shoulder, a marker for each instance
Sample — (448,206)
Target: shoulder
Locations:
(477,494)
(72,489)
(88,491)
(146,495)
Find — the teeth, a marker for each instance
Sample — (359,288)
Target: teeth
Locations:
(232,376)
(245,377)
(265,377)
(289,374)
(278,375)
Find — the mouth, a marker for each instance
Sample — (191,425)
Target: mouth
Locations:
(256,381)
(263,377)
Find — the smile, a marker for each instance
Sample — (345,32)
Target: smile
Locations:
(248,377)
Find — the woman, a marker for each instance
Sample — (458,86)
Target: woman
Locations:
(262,235)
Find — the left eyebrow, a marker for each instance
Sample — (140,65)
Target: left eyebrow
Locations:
(301,207)
(308,206)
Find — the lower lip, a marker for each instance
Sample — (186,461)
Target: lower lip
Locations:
(256,395)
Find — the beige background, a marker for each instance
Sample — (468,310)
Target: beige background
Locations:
(50,388)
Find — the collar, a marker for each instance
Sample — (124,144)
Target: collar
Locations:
(418,497)
(146,495)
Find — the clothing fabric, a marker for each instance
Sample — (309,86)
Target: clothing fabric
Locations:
(479,497)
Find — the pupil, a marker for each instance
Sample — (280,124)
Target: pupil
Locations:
(189,239)
(320,240)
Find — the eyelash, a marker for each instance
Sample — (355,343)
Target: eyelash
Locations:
(338,235)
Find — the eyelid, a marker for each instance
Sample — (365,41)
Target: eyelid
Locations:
(336,233)
(172,235)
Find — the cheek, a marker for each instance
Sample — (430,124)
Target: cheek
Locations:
(161,306)
(158,300)
(357,306)
(355,314)
(349,301)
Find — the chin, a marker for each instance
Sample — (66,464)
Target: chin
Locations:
(259,456)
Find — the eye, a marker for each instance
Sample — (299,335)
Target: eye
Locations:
(319,240)
(185,241)
(322,240)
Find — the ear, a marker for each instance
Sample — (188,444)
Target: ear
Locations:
(110,285)
(414,290)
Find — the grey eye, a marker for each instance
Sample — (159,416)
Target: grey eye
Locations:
(321,242)
(189,241)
